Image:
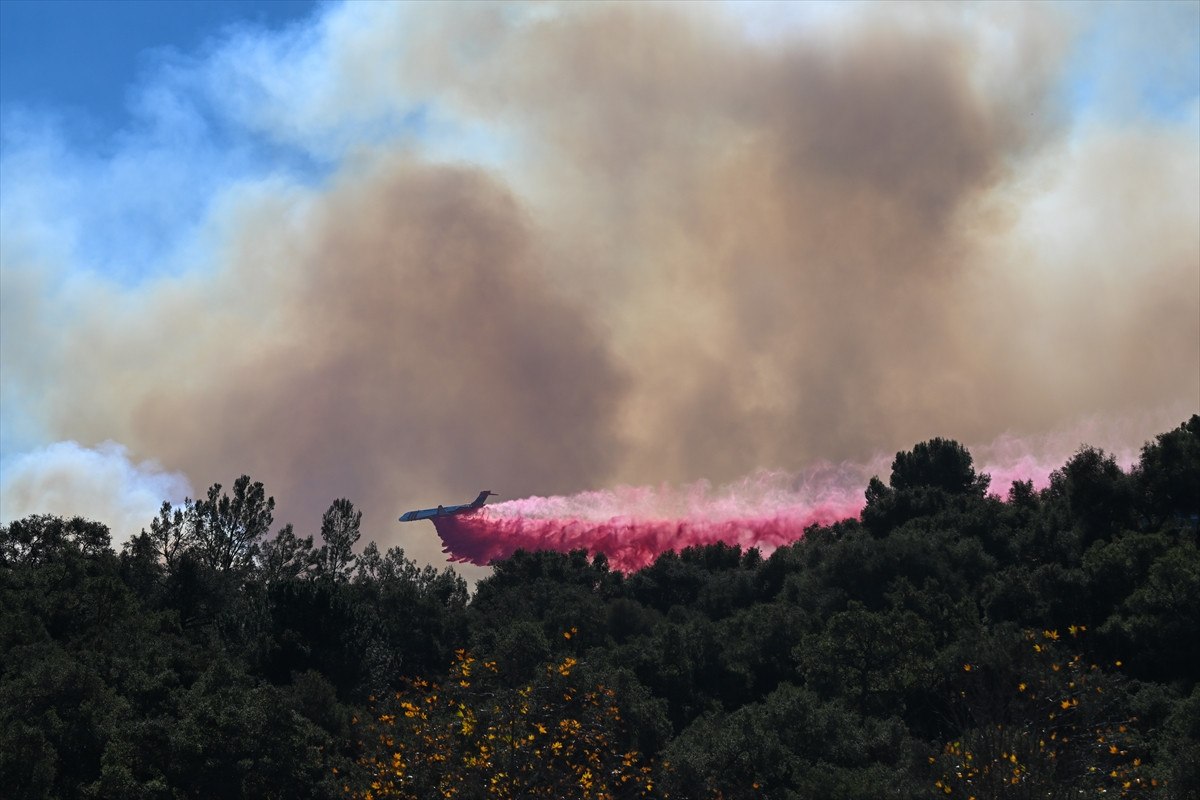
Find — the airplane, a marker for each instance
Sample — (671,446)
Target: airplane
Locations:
(447,511)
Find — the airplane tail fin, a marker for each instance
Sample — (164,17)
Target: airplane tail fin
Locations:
(483,496)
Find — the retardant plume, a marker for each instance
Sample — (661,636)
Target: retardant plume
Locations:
(632,526)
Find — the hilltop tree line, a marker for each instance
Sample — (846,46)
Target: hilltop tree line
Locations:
(949,643)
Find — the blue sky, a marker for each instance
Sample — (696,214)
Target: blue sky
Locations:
(1133,59)
(80,58)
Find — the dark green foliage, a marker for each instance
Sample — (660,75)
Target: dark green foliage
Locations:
(1179,747)
(932,477)
(1097,495)
(225,531)
(1168,477)
(214,659)
(339,531)
(794,743)
(937,464)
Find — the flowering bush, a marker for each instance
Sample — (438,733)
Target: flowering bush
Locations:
(1046,724)
(473,737)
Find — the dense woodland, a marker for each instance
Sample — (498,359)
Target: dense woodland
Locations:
(948,644)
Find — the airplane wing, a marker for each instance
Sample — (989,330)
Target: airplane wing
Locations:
(424,513)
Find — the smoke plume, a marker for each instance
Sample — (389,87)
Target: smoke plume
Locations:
(100,483)
(651,247)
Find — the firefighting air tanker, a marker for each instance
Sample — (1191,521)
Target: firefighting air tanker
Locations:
(447,511)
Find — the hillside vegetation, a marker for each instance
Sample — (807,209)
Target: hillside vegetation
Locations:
(948,644)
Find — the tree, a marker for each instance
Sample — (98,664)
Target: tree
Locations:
(870,659)
(1035,718)
(795,743)
(339,530)
(475,735)
(924,480)
(170,532)
(286,557)
(41,538)
(1168,475)
(1099,497)
(938,464)
(228,529)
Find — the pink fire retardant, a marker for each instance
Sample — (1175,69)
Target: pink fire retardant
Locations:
(632,526)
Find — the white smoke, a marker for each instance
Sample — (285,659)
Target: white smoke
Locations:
(101,483)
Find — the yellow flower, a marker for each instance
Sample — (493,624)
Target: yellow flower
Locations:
(1020,687)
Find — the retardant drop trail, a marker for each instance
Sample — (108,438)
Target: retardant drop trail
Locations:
(629,544)
(632,526)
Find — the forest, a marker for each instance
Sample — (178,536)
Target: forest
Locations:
(958,640)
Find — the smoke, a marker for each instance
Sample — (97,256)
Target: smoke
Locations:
(393,337)
(100,483)
(626,244)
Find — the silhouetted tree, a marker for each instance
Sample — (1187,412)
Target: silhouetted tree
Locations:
(1168,475)
(228,529)
(938,464)
(286,557)
(1099,497)
(924,480)
(339,532)
(170,532)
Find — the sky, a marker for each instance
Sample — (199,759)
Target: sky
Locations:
(401,253)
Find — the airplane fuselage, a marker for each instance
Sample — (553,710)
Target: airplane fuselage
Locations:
(447,511)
